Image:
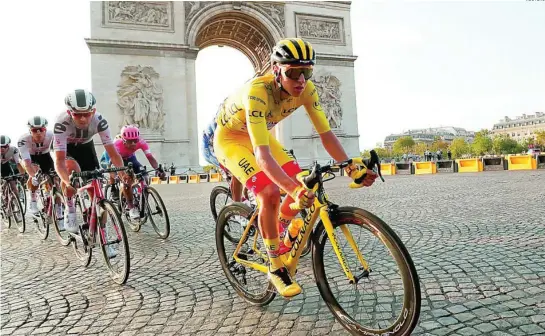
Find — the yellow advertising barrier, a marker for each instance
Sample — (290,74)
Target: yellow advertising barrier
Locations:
(203,177)
(470,165)
(193,179)
(183,179)
(421,168)
(215,177)
(155,180)
(174,179)
(521,162)
(388,168)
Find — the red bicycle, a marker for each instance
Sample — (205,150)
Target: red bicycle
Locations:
(92,215)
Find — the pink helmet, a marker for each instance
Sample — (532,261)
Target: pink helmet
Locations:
(130,132)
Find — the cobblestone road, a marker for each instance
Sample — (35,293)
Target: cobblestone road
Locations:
(477,241)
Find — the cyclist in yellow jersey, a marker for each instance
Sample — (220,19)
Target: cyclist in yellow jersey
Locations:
(243,145)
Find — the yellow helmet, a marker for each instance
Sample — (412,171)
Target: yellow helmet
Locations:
(294,51)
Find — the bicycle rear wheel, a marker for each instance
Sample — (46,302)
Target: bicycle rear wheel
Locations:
(216,193)
(394,316)
(118,236)
(235,216)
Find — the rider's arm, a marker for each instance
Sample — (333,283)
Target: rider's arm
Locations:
(256,110)
(104,133)
(314,110)
(25,155)
(145,148)
(60,134)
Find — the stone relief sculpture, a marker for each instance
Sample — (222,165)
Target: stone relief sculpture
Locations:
(318,28)
(329,91)
(150,13)
(274,11)
(140,99)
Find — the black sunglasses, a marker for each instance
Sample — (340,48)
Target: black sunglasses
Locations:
(295,73)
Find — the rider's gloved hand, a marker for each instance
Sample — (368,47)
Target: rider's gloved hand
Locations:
(161,174)
(303,197)
(361,177)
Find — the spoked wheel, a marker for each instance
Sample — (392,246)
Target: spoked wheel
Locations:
(219,197)
(134,224)
(252,285)
(157,213)
(17,213)
(80,242)
(385,298)
(41,219)
(113,242)
(58,218)
(22,196)
(5,217)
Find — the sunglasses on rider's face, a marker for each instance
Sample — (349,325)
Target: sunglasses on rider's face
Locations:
(295,73)
(130,142)
(81,114)
(5,147)
(38,129)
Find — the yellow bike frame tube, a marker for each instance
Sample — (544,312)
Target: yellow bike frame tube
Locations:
(251,264)
(313,212)
(331,234)
(348,235)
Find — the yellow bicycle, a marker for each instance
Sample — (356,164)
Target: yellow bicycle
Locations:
(354,284)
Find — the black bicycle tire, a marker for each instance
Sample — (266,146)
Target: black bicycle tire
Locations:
(217,190)
(64,242)
(21,227)
(321,280)
(108,204)
(158,198)
(23,189)
(270,292)
(123,213)
(43,218)
(85,260)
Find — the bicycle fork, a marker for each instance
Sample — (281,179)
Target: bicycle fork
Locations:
(328,225)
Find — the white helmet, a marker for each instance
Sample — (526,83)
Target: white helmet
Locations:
(37,121)
(80,101)
(4,140)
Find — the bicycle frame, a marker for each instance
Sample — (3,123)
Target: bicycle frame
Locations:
(320,208)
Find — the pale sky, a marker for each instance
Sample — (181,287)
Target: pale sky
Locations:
(420,63)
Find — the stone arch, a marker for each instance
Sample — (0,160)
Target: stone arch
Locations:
(244,27)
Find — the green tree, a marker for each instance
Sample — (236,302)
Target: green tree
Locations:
(482,143)
(208,168)
(419,148)
(403,145)
(459,147)
(540,139)
(502,144)
(438,144)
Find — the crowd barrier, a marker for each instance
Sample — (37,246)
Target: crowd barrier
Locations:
(469,165)
(493,163)
(446,166)
(540,161)
(388,168)
(427,167)
(521,162)
(404,168)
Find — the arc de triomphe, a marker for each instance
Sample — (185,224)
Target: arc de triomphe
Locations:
(143,67)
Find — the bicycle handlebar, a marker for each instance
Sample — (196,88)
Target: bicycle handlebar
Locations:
(94,174)
(315,175)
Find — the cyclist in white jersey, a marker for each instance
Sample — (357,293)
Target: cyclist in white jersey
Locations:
(9,154)
(73,145)
(34,148)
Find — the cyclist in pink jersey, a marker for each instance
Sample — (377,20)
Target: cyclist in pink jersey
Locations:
(126,144)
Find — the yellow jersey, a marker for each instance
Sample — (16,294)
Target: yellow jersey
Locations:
(255,109)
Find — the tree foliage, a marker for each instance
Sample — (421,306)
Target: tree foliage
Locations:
(459,147)
(482,143)
(403,145)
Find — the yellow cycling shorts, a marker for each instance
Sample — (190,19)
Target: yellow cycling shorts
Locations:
(234,150)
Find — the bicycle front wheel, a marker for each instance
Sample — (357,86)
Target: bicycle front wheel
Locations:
(22,196)
(160,223)
(364,307)
(111,233)
(17,212)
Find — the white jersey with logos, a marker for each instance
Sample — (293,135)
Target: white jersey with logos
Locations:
(28,147)
(66,132)
(12,154)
